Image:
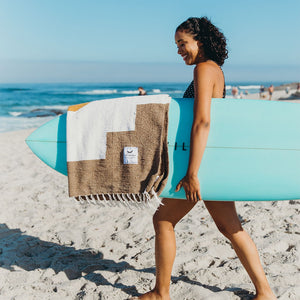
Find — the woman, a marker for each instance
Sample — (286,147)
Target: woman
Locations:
(201,44)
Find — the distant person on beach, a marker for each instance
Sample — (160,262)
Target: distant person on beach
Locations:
(287,89)
(298,87)
(203,45)
(271,91)
(234,92)
(142,92)
(261,90)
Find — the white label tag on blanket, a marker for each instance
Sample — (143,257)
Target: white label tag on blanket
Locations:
(130,155)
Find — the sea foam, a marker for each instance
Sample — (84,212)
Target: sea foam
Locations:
(97,92)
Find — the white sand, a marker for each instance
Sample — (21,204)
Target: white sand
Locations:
(53,248)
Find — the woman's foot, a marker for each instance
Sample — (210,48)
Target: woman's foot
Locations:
(155,296)
(152,295)
(269,296)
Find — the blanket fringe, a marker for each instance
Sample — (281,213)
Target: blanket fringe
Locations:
(132,201)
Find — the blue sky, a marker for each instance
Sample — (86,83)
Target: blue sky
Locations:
(133,40)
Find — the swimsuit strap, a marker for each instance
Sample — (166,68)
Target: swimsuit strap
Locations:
(224,90)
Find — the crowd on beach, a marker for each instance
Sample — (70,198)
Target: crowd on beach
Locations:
(266,93)
(240,94)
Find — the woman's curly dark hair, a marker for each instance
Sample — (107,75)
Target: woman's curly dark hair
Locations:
(213,40)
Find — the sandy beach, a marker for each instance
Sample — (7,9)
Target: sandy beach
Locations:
(54,248)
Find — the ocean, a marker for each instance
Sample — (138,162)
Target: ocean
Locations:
(25,106)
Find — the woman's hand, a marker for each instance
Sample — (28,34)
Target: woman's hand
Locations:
(191,186)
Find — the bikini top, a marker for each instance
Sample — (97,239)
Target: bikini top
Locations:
(190,91)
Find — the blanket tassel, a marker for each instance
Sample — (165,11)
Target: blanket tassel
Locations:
(133,201)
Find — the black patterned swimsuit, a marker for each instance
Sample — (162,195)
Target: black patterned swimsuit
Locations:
(190,91)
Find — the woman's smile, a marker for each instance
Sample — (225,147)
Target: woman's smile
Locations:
(184,57)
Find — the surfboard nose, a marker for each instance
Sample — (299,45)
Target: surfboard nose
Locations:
(48,143)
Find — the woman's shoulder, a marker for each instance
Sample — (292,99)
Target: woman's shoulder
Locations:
(208,65)
(207,68)
(210,74)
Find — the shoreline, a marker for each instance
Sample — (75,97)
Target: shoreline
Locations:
(278,95)
(35,104)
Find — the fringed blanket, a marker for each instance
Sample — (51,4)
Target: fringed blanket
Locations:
(117,150)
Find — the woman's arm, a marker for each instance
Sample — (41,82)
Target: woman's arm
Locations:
(203,85)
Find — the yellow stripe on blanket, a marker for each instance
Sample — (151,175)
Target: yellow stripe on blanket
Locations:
(76,107)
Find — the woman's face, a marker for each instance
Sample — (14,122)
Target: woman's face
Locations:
(188,48)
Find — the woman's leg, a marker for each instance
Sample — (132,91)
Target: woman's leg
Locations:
(225,216)
(164,221)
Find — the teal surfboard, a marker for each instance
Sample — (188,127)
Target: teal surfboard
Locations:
(252,153)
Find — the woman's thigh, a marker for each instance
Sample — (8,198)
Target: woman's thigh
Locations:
(172,210)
